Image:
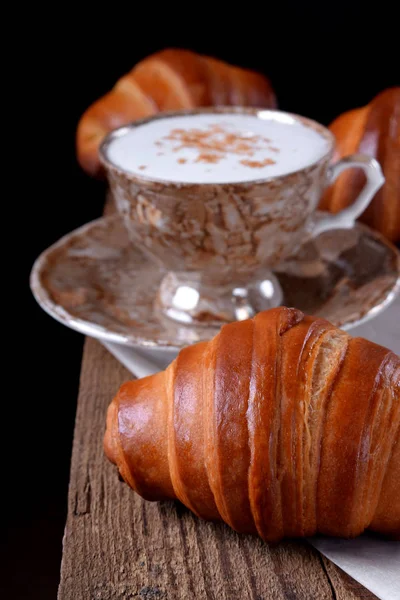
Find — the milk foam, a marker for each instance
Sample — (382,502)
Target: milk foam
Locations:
(217,148)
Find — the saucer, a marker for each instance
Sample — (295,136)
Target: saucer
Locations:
(96,282)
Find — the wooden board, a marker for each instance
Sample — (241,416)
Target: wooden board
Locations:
(119,547)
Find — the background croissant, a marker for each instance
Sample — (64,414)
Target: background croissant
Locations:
(373,129)
(172,79)
(282,425)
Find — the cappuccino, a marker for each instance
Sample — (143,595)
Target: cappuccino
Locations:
(217,148)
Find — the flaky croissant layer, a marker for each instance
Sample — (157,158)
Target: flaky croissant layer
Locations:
(282,426)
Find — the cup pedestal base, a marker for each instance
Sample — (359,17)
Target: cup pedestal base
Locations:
(186,299)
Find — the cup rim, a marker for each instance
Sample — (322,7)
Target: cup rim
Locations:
(255,111)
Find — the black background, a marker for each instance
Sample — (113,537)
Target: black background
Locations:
(321,60)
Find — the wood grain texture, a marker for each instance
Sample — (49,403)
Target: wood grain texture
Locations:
(119,547)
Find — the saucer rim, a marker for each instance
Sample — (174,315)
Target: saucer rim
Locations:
(96,331)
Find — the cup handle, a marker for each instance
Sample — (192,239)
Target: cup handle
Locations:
(346,218)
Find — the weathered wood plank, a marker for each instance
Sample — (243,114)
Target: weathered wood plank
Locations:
(116,546)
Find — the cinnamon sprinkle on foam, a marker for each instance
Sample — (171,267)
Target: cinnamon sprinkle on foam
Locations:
(216,143)
(257,164)
(208,158)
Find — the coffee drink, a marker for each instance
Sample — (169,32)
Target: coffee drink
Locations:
(221,197)
(218,148)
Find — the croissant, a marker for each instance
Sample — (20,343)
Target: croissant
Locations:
(172,79)
(374,130)
(282,425)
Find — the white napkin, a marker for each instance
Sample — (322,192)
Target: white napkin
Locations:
(373,562)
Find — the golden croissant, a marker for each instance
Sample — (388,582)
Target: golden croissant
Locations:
(172,79)
(282,425)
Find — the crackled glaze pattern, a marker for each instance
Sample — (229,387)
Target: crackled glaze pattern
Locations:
(95,281)
(220,228)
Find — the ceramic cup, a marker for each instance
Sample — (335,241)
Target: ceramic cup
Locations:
(218,198)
